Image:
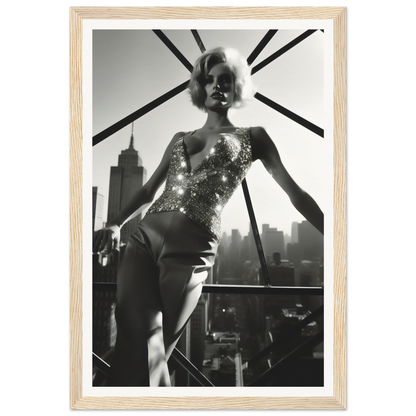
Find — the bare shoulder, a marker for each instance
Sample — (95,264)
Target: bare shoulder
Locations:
(261,142)
(171,144)
(176,137)
(179,135)
(257,132)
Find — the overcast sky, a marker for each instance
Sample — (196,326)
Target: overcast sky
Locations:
(133,67)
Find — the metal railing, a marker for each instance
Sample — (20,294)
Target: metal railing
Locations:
(276,345)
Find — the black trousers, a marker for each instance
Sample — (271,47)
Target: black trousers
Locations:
(158,287)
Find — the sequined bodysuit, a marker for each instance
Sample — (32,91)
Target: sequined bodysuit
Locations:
(202,192)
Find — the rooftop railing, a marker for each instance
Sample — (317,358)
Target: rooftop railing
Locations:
(276,346)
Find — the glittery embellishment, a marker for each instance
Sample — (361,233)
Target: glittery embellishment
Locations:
(202,193)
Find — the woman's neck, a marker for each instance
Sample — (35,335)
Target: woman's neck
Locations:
(216,120)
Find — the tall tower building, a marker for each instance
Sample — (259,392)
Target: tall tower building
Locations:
(125,180)
(273,241)
(295,232)
(311,240)
(199,328)
(97,209)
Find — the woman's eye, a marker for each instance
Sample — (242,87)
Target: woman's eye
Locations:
(226,81)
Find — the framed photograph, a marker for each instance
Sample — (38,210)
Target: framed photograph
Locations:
(209,145)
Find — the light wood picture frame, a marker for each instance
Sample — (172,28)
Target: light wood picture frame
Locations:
(78,400)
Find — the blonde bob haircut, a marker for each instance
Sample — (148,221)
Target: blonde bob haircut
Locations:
(244,88)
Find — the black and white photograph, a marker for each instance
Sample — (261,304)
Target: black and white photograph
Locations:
(211,175)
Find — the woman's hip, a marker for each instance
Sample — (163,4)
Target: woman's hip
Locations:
(173,233)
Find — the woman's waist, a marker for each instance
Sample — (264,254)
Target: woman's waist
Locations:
(181,234)
(189,201)
(208,220)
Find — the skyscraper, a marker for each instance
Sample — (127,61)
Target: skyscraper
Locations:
(125,179)
(311,240)
(295,232)
(273,241)
(97,209)
(199,328)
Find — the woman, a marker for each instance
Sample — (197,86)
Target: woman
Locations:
(168,258)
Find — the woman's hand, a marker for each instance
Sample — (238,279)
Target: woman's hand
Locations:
(107,239)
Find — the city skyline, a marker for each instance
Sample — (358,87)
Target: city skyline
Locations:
(122,83)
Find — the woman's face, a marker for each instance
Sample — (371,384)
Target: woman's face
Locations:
(219,87)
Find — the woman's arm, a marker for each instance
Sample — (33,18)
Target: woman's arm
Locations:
(264,149)
(147,192)
(104,238)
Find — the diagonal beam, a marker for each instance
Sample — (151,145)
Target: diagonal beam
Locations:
(276,343)
(256,233)
(100,363)
(198,40)
(170,94)
(290,114)
(257,50)
(137,114)
(191,369)
(173,49)
(308,345)
(283,50)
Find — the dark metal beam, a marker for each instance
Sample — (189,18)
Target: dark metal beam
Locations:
(192,370)
(263,290)
(281,51)
(290,114)
(257,50)
(308,345)
(240,289)
(198,40)
(104,286)
(277,342)
(256,234)
(173,49)
(137,114)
